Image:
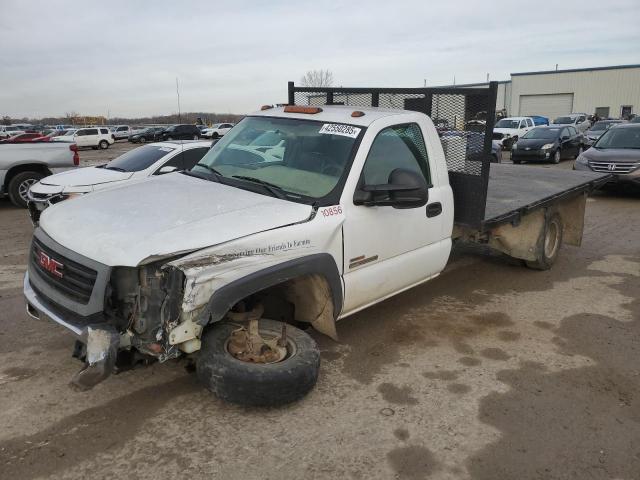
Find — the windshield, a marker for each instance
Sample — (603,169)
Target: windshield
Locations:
(599,126)
(542,133)
(138,158)
(619,138)
(305,164)
(507,123)
(563,121)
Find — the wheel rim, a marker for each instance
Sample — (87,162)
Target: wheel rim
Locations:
(551,239)
(142,140)
(556,157)
(195,137)
(103,144)
(291,348)
(23,188)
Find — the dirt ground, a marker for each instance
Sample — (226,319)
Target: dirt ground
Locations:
(489,372)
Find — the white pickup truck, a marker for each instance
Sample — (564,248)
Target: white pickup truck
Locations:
(24,164)
(227,261)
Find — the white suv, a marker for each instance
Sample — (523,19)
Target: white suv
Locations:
(578,120)
(94,137)
(508,130)
(121,132)
(217,130)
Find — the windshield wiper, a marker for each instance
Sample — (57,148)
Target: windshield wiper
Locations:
(275,190)
(117,169)
(211,169)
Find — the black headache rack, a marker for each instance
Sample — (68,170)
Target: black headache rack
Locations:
(463,117)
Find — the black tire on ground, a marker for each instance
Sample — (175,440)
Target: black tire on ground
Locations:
(19,186)
(517,162)
(557,156)
(550,244)
(103,144)
(215,135)
(256,384)
(142,139)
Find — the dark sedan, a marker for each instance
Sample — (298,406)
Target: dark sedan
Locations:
(617,151)
(548,144)
(598,129)
(149,135)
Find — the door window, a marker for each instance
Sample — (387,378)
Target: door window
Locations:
(104,131)
(82,133)
(401,146)
(193,156)
(91,131)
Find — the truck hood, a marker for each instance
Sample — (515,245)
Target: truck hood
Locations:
(83,177)
(163,216)
(612,155)
(510,131)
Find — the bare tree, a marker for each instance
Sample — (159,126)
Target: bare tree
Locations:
(6,120)
(317,78)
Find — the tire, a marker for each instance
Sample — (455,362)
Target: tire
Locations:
(103,144)
(557,156)
(169,139)
(517,162)
(19,186)
(256,384)
(142,140)
(215,135)
(550,245)
(196,137)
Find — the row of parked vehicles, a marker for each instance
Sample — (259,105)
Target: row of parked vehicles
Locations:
(102,136)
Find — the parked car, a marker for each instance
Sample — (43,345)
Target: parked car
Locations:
(578,120)
(22,138)
(181,132)
(95,137)
(474,143)
(141,162)
(635,120)
(121,132)
(151,134)
(508,130)
(217,130)
(23,164)
(598,129)
(617,151)
(7,131)
(539,120)
(548,144)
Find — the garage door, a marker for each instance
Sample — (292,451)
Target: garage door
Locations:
(551,106)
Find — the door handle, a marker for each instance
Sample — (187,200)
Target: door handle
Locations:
(434,209)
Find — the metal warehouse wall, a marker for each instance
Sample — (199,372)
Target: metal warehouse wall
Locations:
(591,88)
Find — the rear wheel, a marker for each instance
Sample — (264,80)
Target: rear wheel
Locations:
(103,144)
(19,187)
(253,383)
(550,244)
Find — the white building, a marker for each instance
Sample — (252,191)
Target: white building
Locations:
(608,91)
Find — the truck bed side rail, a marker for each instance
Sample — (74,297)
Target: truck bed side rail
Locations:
(463,116)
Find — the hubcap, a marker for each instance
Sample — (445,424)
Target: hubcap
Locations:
(551,240)
(557,155)
(23,188)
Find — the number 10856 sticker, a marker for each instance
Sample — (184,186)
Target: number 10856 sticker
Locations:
(330,211)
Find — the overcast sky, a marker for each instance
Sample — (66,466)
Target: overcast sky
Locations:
(123,57)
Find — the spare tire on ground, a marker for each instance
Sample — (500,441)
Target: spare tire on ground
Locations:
(258,384)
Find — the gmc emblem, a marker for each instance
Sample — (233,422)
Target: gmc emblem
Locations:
(50,265)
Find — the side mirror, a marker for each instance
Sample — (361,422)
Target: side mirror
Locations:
(167,169)
(406,189)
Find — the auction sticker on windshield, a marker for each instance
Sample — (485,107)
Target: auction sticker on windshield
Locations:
(339,129)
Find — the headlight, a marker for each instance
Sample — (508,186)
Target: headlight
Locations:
(547,146)
(582,160)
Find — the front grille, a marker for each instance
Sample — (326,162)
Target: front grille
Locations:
(610,167)
(76,282)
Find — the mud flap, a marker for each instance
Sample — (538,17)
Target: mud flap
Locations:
(102,350)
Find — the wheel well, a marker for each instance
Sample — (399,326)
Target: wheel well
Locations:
(26,167)
(306,299)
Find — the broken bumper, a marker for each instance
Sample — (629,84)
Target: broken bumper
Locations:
(37,308)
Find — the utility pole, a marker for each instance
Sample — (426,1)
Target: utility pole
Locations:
(425,83)
(178,94)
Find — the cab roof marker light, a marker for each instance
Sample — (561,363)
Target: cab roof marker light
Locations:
(301,109)
(357,113)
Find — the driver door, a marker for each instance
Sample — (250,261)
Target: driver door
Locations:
(388,249)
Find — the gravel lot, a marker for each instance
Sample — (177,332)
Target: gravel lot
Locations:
(492,371)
